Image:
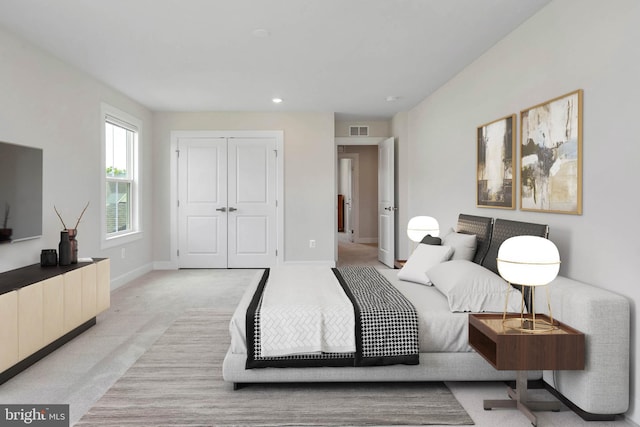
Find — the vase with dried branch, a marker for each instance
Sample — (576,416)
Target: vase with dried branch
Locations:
(72,233)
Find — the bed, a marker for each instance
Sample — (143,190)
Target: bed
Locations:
(444,353)
(442,303)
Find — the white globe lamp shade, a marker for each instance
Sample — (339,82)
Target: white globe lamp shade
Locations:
(528,260)
(420,226)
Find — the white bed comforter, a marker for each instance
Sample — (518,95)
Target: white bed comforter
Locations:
(305,310)
(440,329)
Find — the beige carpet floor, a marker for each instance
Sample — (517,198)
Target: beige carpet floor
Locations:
(358,254)
(178,381)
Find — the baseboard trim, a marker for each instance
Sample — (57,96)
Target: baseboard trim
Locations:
(131,275)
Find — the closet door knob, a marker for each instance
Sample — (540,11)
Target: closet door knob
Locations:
(232,209)
(221,209)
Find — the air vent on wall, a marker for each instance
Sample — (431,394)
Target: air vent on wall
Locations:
(358,130)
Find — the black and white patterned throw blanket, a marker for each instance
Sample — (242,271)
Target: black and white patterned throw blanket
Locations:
(386,325)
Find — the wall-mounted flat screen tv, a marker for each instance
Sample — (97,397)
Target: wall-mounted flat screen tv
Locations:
(20,192)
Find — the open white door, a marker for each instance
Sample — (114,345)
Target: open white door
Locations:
(386,204)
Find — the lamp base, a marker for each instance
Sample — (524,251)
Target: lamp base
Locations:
(528,325)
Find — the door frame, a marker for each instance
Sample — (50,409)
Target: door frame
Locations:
(351,140)
(173,185)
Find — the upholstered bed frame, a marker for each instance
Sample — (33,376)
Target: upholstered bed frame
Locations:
(600,391)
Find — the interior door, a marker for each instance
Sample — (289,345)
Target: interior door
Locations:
(202,202)
(386,204)
(252,202)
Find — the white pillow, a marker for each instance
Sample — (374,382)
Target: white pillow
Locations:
(464,245)
(421,260)
(471,287)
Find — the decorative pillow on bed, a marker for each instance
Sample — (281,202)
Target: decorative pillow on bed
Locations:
(471,287)
(421,260)
(430,240)
(464,245)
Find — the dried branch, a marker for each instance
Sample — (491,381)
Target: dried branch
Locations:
(58,213)
(80,217)
(7,209)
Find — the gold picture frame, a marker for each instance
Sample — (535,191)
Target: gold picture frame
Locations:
(551,155)
(495,174)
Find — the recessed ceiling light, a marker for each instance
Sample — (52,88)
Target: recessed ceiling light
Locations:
(261,33)
(277,100)
(392,98)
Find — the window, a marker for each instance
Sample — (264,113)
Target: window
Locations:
(120,210)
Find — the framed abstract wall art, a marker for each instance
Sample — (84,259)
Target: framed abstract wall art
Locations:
(496,160)
(551,156)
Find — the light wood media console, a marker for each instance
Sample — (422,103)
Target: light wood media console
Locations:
(42,308)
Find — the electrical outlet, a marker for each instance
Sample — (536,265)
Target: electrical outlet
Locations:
(123,253)
(312,243)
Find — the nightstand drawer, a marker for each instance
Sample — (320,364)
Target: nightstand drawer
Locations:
(507,349)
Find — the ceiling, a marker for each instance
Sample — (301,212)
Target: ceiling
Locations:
(342,56)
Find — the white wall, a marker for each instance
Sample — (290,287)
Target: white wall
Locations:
(309,176)
(570,44)
(47,104)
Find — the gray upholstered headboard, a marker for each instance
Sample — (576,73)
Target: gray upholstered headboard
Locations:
(504,229)
(490,235)
(481,227)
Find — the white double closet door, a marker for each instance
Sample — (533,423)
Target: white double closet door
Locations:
(227,202)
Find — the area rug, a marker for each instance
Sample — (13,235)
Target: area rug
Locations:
(178,381)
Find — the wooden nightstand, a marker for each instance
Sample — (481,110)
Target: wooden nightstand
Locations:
(508,349)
